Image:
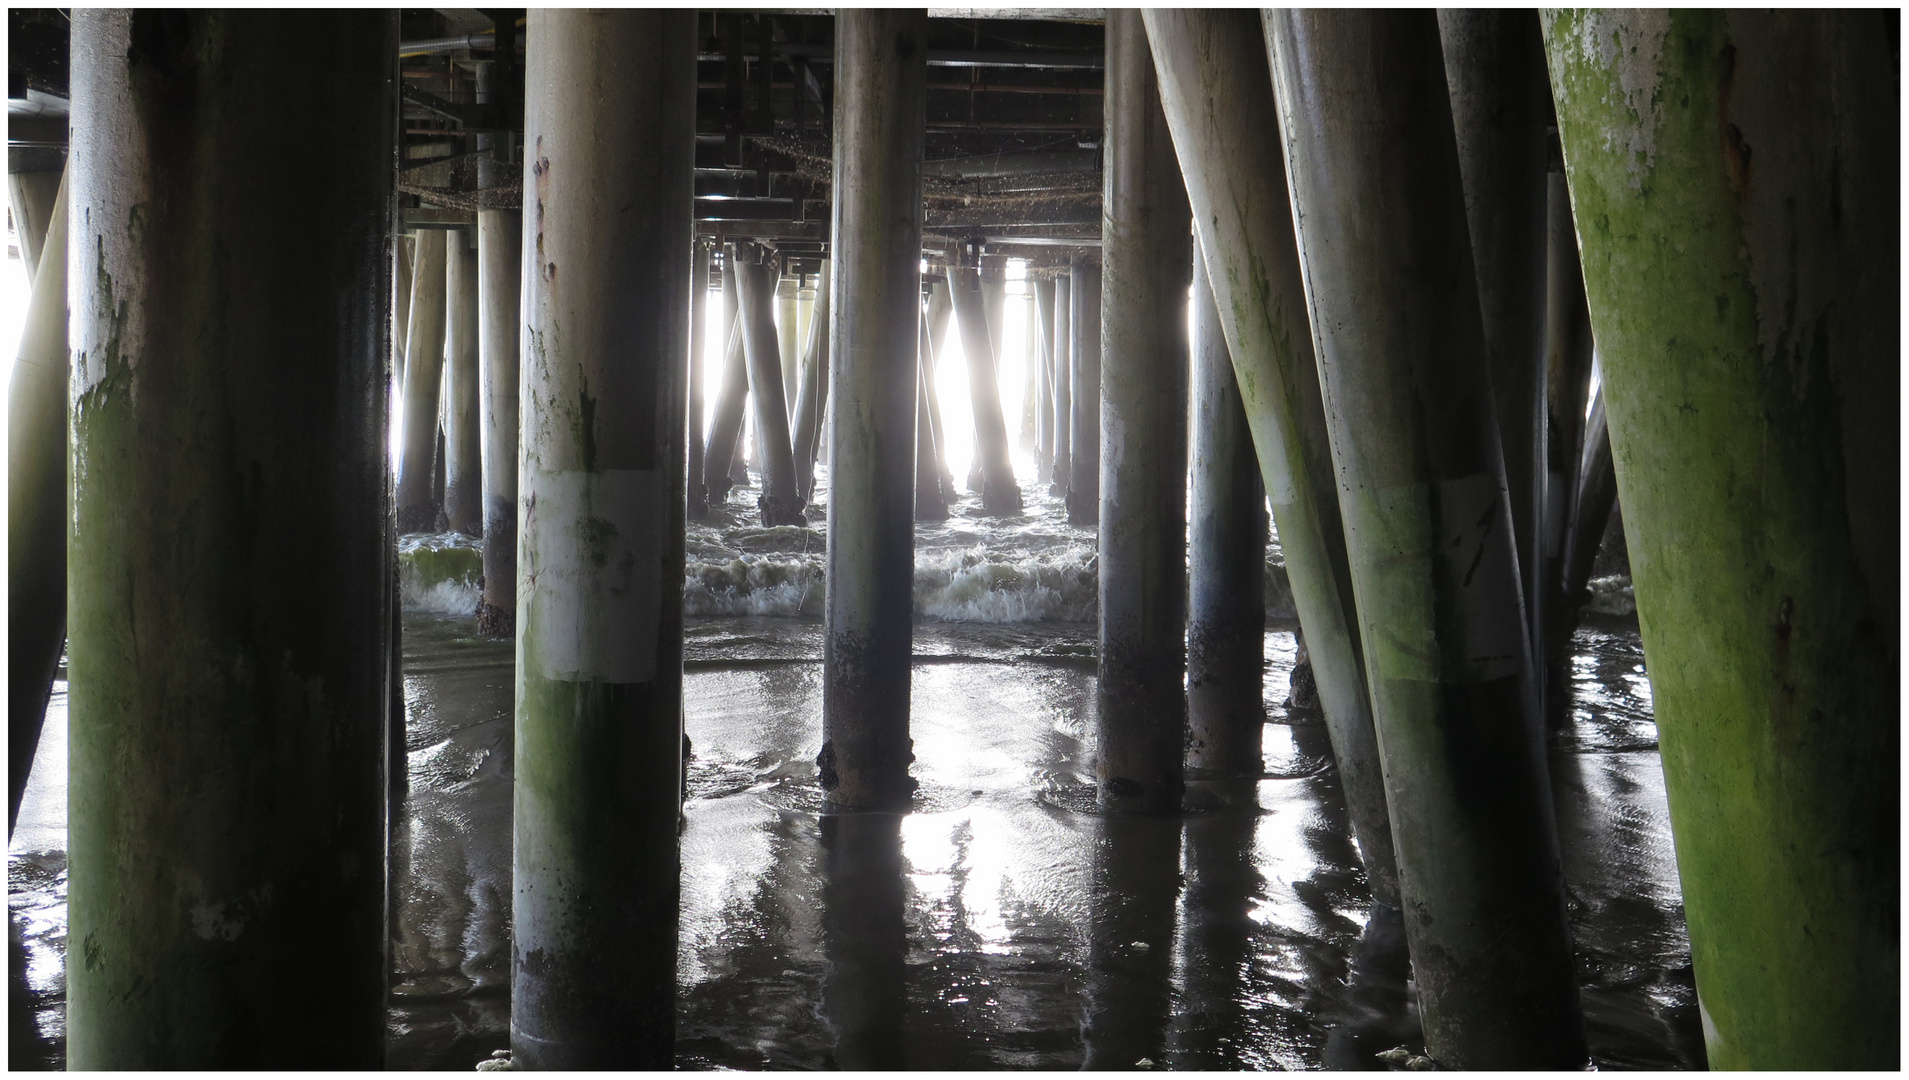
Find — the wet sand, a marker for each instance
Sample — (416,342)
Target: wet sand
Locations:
(1002,924)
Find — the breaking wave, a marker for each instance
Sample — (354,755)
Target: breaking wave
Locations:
(440,573)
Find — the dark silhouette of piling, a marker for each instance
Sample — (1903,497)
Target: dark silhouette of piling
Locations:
(1042,354)
(929,504)
(1501,105)
(231,545)
(1063,350)
(1226,561)
(1147,253)
(500,245)
(698,496)
(814,391)
(1568,356)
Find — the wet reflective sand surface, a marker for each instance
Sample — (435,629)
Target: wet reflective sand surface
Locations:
(1000,925)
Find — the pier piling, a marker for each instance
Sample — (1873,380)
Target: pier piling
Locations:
(230,541)
(1218,97)
(36,508)
(779,502)
(1083,316)
(609,141)
(418,504)
(1226,561)
(1739,223)
(1406,376)
(463,441)
(1000,494)
(881,95)
(1147,252)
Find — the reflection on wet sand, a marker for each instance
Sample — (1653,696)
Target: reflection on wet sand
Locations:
(864,988)
(1000,925)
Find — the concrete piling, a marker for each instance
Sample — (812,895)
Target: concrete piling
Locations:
(1041,353)
(1407,385)
(881,95)
(1590,515)
(1000,494)
(1147,252)
(815,376)
(1061,350)
(1501,105)
(463,441)
(779,502)
(939,315)
(609,140)
(1218,98)
(400,312)
(698,495)
(788,323)
(929,503)
(418,505)
(1568,352)
(1226,561)
(725,425)
(228,716)
(1740,239)
(36,508)
(1083,477)
(500,245)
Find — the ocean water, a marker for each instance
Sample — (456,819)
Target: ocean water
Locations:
(1002,923)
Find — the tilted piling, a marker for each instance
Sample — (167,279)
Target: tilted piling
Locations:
(1501,105)
(779,502)
(929,503)
(36,509)
(815,376)
(1568,352)
(725,425)
(1218,98)
(31,195)
(1406,378)
(698,494)
(1735,180)
(1147,261)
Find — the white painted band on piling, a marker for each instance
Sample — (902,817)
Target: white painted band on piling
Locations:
(595,579)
